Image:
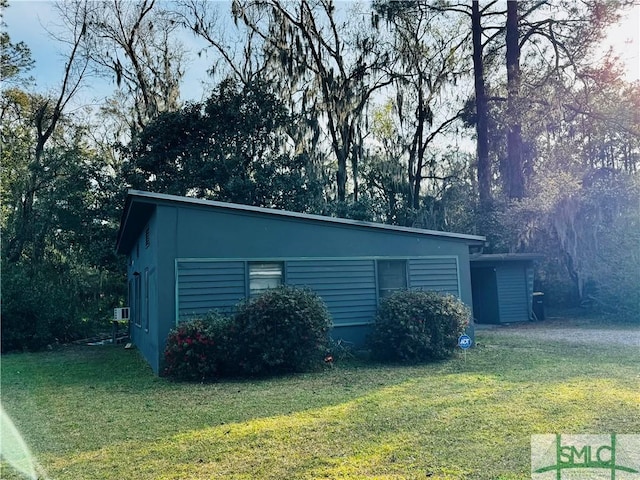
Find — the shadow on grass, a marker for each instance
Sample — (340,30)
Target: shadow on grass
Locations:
(85,402)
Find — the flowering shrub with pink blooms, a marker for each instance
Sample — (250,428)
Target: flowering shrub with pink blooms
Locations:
(418,326)
(283,330)
(197,349)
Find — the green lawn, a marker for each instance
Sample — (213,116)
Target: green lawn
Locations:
(99,413)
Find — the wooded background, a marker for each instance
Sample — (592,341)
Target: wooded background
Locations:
(490,118)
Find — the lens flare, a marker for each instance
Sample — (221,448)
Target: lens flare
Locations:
(14,450)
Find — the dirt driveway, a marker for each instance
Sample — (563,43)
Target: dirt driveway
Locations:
(571,331)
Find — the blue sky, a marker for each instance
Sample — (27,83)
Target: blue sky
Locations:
(28,21)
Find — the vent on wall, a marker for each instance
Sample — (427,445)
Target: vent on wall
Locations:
(147,239)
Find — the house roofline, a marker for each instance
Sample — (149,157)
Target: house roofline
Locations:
(504,257)
(150,197)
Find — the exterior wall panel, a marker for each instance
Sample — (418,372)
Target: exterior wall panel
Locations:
(348,287)
(205,286)
(437,274)
(512,294)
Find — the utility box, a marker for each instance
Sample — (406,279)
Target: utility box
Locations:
(121,313)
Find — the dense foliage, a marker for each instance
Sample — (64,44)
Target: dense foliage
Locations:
(280,331)
(229,148)
(417,326)
(285,329)
(197,349)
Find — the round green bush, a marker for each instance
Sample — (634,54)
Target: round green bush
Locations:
(417,326)
(283,330)
(197,349)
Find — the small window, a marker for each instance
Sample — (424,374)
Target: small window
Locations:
(146,299)
(137,303)
(392,276)
(263,276)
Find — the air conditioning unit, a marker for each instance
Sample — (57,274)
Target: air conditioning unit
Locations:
(121,313)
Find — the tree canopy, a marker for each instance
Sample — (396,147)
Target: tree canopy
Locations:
(477,117)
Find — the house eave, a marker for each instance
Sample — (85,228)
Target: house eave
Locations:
(504,257)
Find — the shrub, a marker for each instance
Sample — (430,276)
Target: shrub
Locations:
(197,349)
(417,326)
(283,330)
(39,306)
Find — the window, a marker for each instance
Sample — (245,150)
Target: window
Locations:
(137,303)
(146,299)
(132,307)
(392,276)
(263,276)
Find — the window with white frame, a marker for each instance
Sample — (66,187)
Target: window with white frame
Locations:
(263,276)
(392,276)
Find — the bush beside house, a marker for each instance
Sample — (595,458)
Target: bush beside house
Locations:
(417,326)
(283,330)
(198,349)
(286,330)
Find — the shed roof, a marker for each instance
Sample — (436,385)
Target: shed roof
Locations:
(505,257)
(139,206)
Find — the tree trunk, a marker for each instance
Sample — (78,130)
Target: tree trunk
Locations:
(482,112)
(515,174)
(419,150)
(341,175)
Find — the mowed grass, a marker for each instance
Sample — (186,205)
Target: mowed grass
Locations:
(99,413)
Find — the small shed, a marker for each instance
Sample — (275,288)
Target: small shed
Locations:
(188,256)
(502,286)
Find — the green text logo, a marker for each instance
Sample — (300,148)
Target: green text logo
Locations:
(585,457)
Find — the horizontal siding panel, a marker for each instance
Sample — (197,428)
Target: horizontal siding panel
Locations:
(437,274)
(352,301)
(208,264)
(205,290)
(338,286)
(319,264)
(211,299)
(348,287)
(212,277)
(324,277)
(205,286)
(512,291)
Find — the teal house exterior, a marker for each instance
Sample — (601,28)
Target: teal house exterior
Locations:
(188,256)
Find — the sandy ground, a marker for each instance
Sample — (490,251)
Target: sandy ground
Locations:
(571,331)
